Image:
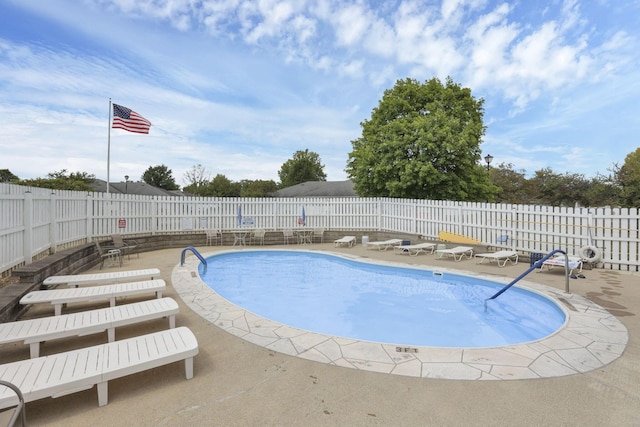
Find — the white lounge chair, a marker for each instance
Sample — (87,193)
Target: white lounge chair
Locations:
(77,370)
(575,262)
(59,297)
(457,253)
(346,240)
(75,280)
(384,244)
(501,257)
(35,331)
(416,249)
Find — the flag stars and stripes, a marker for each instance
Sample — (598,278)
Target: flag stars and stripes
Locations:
(129,120)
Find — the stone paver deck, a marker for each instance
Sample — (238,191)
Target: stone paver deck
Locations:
(590,338)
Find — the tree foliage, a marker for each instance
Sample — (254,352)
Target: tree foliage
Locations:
(628,176)
(422,141)
(304,166)
(258,188)
(160,176)
(61,180)
(7,176)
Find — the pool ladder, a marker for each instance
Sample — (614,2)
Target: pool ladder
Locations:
(537,264)
(196,253)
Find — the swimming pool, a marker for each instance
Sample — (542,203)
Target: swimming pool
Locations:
(358,300)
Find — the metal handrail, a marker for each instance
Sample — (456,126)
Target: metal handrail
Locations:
(21,410)
(196,253)
(537,264)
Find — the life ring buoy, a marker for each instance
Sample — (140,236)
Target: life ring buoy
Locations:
(590,254)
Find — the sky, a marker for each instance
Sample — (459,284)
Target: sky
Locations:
(238,86)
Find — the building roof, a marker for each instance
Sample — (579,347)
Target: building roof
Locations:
(319,189)
(133,187)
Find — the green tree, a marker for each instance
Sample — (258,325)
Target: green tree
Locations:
(628,176)
(422,141)
(221,186)
(512,185)
(7,176)
(258,188)
(160,176)
(61,180)
(304,166)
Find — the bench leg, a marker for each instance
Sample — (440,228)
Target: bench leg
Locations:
(188,367)
(172,322)
(111,334)
(103,393)
(58,309)
(34,349)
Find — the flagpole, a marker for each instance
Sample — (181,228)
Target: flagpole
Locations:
(109,146)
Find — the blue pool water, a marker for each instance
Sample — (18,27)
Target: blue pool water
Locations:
(404,306)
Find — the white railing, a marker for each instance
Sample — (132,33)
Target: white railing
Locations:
(35,221)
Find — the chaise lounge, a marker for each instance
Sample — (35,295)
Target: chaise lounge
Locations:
(346,240)
(35,331)
(77,370)
(457,253)
(74,280)
(501,257)
(383,245)
(416,249)
(59,297)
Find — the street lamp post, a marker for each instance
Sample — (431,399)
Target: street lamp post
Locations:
(126,184)
(488,158)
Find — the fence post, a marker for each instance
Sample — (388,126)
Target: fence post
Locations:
(27,243)
(89,213)
(53,224)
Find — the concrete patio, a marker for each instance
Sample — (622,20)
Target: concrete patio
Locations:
(238,383)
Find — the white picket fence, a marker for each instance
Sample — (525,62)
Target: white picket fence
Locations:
(35,222)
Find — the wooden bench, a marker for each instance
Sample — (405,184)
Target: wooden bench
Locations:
(77,370)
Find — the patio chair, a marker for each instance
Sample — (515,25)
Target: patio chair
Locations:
(318,235)
(126,246)
(258,236)
(288,236)
(112,255)
(213,236)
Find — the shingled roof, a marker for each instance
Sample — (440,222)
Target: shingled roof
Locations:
(319,189)
(133,187)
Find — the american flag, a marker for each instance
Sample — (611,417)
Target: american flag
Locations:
(129,120)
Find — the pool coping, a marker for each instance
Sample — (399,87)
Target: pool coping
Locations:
(590,338)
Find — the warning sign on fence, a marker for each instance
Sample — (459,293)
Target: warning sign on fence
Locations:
(122,223)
